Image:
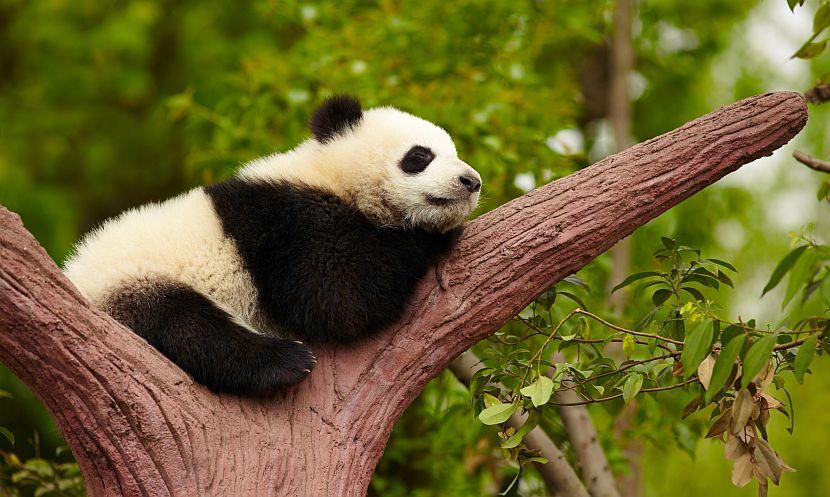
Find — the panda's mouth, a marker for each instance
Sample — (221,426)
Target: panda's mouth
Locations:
(439,201)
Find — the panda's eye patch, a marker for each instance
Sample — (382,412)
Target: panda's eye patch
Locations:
(416,159)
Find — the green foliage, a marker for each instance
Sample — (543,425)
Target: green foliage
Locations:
(681,343)
(39,477)
(821,20)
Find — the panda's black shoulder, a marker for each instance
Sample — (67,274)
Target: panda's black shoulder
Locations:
(322,269)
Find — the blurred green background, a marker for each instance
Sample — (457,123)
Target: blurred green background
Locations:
(109,104)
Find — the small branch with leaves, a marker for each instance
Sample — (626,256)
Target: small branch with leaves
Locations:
(552,350)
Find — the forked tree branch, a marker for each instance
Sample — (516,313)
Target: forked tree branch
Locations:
(140,427)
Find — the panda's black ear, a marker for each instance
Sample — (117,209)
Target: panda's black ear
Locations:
(335,115)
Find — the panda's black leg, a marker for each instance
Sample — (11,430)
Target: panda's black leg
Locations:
(205,341)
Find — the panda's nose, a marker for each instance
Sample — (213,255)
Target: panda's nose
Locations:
(472,184)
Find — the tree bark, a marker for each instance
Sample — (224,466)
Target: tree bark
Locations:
(139,426)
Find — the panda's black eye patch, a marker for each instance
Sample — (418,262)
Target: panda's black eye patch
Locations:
(416,159)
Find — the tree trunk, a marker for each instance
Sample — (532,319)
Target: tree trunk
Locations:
(139,426)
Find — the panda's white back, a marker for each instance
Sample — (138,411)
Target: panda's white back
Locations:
(180,239)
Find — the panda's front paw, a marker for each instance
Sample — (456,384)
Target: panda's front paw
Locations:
(291,362)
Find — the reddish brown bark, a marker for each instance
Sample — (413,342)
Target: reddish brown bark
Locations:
(140,427)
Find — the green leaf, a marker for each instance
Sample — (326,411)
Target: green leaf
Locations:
(695,293)
(628,345)
(723,278)
(490,400)
(634,277)
(804,357)
(7,434)
(576,299)
(539,391)
(800,275)
(576,280)
(660,296)
(512,483)
(756,357)
(723,366)
(632,386)
(794,3)
(823,190)
(497,413)
(723,264)
(669,243)
(810,50)
(821,19)
(785,265)
(696,348)
(517,437)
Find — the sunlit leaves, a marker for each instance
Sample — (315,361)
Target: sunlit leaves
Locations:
(632,386)
(539,391)
(497,413)
(629,345)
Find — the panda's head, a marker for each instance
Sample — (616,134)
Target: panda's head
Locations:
(397,168)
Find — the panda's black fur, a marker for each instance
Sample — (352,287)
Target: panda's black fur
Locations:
(335,116)
(324,271)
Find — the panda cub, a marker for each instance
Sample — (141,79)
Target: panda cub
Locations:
(322,244)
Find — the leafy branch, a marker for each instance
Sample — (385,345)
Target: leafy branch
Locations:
(680,344)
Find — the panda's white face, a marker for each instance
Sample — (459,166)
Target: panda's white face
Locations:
(415,167)
(403,170)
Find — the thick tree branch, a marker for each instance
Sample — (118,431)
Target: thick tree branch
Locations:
(139,426)
(559,476)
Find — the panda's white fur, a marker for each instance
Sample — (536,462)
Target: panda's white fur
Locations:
(179,239)
(182,247)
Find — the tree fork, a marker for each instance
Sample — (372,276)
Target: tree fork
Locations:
(139,426)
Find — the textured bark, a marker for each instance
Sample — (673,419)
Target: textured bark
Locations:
(140,427)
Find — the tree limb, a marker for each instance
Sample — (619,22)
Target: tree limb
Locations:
(139,426)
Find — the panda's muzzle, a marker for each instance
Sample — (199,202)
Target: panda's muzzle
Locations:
(439,201)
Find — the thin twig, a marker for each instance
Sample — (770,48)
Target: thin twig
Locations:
(811,162)
(618,396)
